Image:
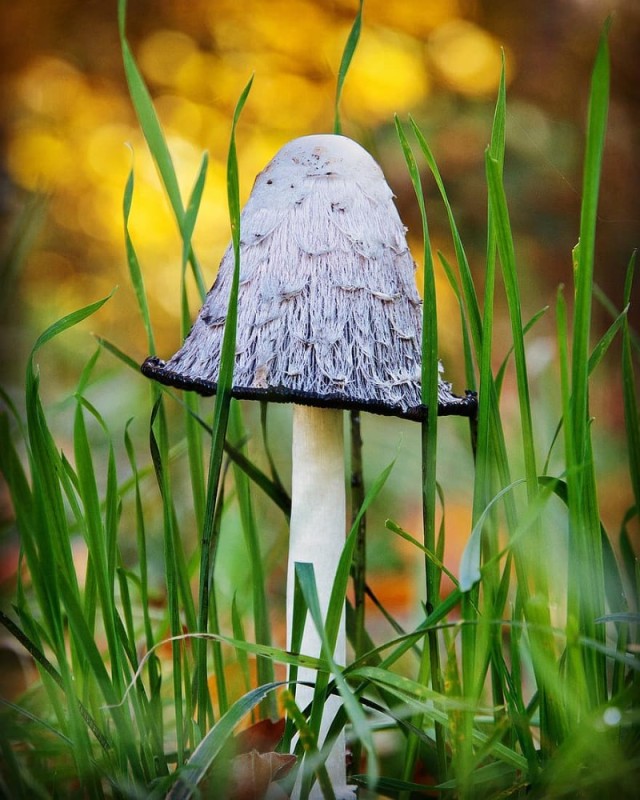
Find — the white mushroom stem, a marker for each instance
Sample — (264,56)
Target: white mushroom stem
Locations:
(317,536)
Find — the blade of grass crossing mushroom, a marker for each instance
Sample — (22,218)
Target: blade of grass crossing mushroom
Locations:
(221,414)
(186,219)
(155,140)
(357,478)
(341,579)
(307,744)
(430,662)
(305,576)
(331,626)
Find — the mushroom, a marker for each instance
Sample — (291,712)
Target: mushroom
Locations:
(329,318)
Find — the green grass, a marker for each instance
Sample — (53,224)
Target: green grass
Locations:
(491,692)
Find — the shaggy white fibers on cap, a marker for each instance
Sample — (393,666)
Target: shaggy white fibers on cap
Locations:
(328,311)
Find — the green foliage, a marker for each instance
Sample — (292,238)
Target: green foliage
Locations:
(510,685)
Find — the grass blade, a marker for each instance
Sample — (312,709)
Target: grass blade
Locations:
(430,379)
(347,55)
(258,580)
(135,273)
(631,417)
(221,415)
(210,747)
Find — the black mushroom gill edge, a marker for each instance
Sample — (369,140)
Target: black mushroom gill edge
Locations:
(155,368)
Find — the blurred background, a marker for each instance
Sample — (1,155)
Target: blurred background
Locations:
(69,138)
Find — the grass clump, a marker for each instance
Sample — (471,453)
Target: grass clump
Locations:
(514,684)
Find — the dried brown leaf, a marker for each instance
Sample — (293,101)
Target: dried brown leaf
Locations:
(252,774)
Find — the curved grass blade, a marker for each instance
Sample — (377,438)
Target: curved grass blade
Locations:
(152,130)
(470,561)
(347,55)
(200,761)
(306,578)
(64,323)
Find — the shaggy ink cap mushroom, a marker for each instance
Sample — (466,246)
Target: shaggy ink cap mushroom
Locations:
(328,318)
(328,310)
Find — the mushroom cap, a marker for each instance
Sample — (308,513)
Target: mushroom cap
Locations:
(328,310)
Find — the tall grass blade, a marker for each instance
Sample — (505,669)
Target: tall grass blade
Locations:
(586,589)
(258,580)
(158,445)
(596,129)
(221,415)
(430,663)
(357,479)
(505,247)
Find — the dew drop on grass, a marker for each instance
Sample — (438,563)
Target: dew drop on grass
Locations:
(612,716)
